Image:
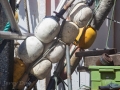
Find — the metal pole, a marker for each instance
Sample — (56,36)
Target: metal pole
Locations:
(9,13)
(68,67)
(14,36)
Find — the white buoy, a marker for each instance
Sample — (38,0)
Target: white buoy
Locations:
(42,69)
(57,53)
(69,32)
(30,49)
(47,30)
(80,14)
(47,46)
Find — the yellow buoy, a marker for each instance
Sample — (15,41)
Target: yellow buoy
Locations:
(85,39)
(19,69)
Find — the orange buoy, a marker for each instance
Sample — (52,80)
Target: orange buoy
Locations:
(19,69)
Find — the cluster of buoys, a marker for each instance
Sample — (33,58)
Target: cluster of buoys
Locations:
(46,31)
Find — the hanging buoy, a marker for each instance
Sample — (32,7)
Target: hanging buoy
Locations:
(30,49)
(57,53)
(69,32)
(42,69)
(19,69)
(80,14)
(47,30)
(87,38)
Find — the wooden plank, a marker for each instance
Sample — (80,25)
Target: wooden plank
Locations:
(96,52)
(91,60)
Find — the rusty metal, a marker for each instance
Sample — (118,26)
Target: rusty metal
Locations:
(96,52)
(104,60)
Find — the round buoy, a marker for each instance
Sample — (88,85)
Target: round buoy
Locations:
(69,32)
(47,30)
(57,53)
(42,69)
(85,39)
(30,49)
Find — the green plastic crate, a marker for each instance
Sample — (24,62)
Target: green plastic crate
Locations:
(104,75)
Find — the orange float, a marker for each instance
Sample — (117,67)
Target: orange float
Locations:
(85,39)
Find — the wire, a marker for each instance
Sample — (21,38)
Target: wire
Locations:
(113,20)
(6,28)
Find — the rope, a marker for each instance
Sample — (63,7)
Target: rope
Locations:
(109,28)
(6,28)
(96,3)
(113,20)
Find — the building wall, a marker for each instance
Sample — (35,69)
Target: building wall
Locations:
(117,27)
